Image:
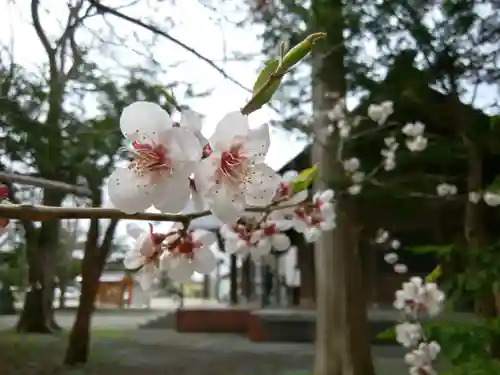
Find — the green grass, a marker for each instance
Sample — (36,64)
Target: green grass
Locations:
(38,354)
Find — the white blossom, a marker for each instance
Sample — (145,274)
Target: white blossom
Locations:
(285,192)
(338,111)
(381,236)
(354,189)
(445,189)
(380,112)
(357,177)
(400,268)
(395,244)
(474,197)
(344,131)
(164,156)
(145,256)
(352,165)
(188,253)
(408,334)
(415,296)
(237,240)
(391,258)
(312,220)
(234,175)
(415,129)
(193,120)
(491,199)
(416,144)
(270,236)
(389,164)
(420,360)
(391,143)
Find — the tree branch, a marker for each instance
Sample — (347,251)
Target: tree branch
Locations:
(44,183)
(42,213)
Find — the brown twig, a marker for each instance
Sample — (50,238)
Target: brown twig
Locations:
(42,213)
(44,183)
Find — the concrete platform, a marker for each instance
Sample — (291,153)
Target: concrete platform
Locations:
(276,325)
(300,325)
(265,325)
(212,319)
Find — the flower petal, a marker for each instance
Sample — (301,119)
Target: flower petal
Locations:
(129,192)
(178,268)
(133,259)
(226,205)
(300,197)
(206,237)
(280,242)
(172,193)
(204,261)
(261,187)
(289,176)
(144,122)
(192,120)
(146,276)
(232,125)
(257,235)
(184,146)
(327,195)
(282,225)
(312,235)
(257,143)
(204,175)
(262,248)
(231,246)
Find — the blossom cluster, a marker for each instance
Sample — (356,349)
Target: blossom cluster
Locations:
(226,174)
(256,236)
(383,238)
(414,299)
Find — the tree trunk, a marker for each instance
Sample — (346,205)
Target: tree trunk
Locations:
(7,306)
(342,342)
(484,304)
(62,295)
(233,280)
(79,338)
(307,292)
(206,286)
(246,279)
(38,312)
(92,265)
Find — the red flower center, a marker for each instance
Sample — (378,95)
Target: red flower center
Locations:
(233,165)
(148,158)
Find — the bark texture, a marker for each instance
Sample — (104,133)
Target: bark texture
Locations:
(92,267)
(342,342)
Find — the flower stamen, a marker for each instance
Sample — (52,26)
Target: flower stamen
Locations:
(150,158)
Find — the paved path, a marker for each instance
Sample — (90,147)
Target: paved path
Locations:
(116,318)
